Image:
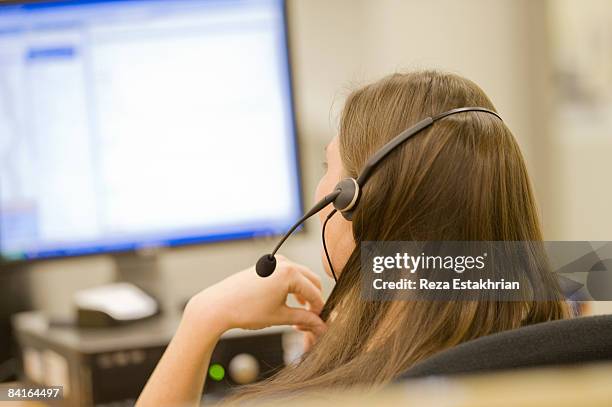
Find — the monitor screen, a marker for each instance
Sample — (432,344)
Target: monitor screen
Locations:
(135,124)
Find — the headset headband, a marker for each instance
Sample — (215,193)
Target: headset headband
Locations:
(406,134)
(345,196)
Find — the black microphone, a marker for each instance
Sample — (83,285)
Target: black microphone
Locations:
(267,263)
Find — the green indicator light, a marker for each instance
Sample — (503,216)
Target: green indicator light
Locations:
(216,372)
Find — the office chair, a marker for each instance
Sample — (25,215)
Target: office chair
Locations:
(554,343)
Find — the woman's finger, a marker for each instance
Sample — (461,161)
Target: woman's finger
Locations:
(300,285)
(300,299)
(304,318)
(305,329)
(308,273)
(300,328)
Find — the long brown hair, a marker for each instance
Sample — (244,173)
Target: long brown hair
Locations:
(462,179)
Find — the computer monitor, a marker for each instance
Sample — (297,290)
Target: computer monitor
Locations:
(136,124)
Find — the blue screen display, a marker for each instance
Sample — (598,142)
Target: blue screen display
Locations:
(137,124)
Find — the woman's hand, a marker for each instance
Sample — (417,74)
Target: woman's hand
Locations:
(245,300)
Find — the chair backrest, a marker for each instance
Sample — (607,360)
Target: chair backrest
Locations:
(563,342)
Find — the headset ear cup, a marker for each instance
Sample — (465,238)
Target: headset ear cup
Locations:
(348,197)
(348,215)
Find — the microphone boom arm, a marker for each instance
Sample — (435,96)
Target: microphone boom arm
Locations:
(329,198)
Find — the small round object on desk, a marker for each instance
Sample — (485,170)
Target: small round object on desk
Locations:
(244,368)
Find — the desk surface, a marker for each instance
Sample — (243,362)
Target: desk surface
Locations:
(156,331)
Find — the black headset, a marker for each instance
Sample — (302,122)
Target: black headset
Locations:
(347,192)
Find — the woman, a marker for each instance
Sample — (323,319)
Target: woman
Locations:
(462,179)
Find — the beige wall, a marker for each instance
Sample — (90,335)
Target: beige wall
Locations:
(338,44)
